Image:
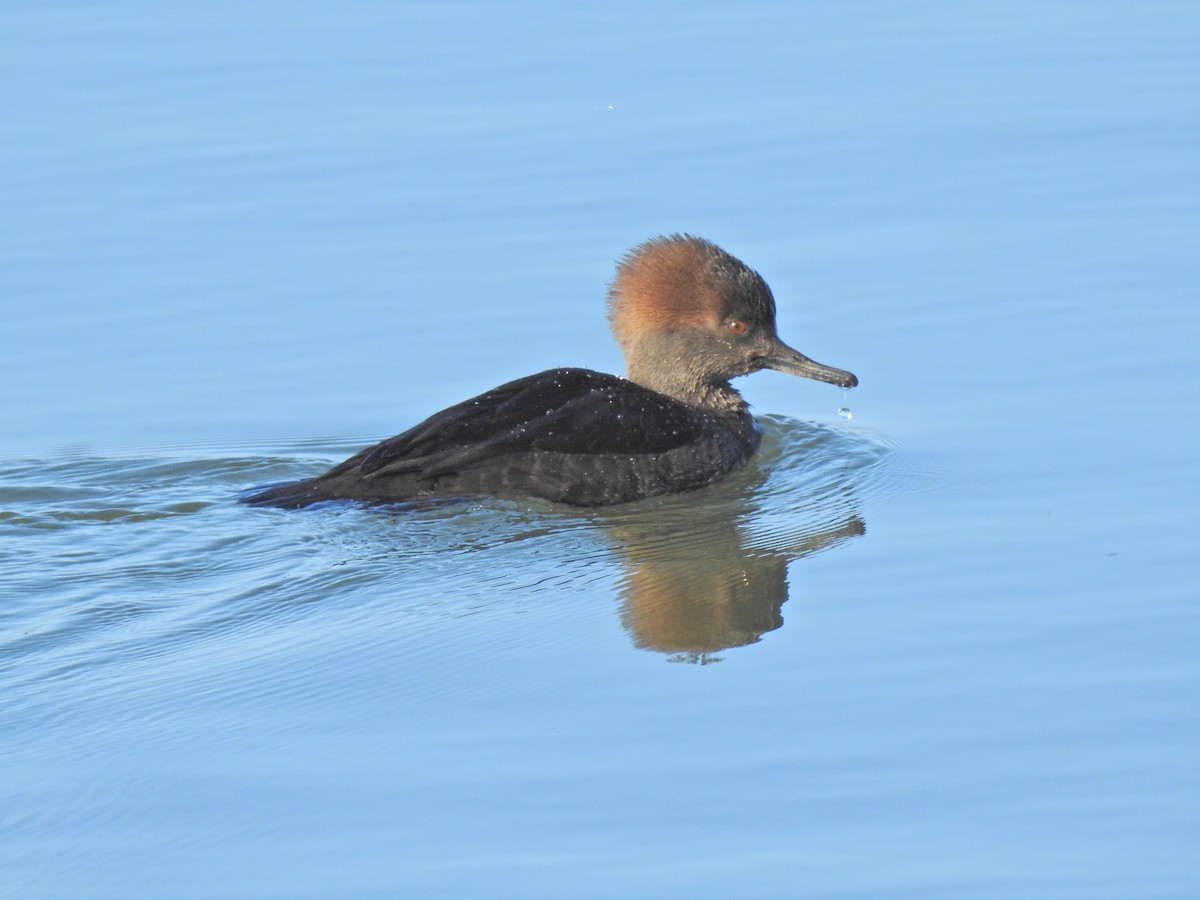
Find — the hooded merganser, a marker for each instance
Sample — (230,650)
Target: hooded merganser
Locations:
(688,317)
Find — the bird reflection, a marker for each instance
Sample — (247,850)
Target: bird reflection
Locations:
(699,573)
(700,579)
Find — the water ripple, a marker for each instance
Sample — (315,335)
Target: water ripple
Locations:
(123,561)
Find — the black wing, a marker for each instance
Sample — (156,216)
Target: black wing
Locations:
(575,411)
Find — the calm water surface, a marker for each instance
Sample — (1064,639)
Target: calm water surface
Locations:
(946,648)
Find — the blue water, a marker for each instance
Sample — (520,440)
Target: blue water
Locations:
(946,648)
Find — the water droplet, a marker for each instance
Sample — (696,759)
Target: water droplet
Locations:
(845,411)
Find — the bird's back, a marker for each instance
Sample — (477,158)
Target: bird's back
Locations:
(572,436)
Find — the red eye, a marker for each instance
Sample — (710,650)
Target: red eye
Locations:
(737,326)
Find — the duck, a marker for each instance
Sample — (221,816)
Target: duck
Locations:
(688,316)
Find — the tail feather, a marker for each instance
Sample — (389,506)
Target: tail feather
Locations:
(287,495)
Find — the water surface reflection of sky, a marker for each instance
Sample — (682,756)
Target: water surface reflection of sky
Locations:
(241,241)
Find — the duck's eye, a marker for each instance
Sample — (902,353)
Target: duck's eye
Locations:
(737,326)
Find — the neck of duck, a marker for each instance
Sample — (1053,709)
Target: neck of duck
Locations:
(686,378)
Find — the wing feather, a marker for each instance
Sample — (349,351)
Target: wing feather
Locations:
(560,410)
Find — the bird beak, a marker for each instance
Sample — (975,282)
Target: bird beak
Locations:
(784,359)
